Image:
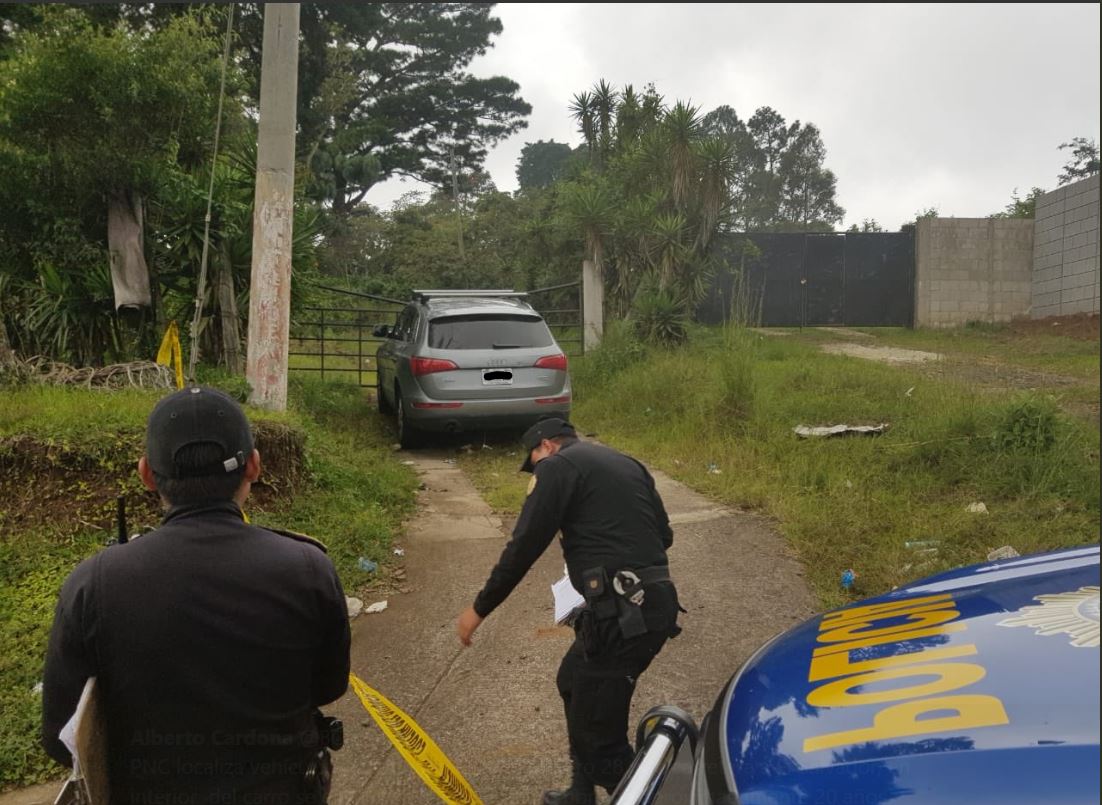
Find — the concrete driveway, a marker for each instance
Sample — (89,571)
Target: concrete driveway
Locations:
(493,708)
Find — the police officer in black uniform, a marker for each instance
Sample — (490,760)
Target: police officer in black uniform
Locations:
(213,641)
(615,533)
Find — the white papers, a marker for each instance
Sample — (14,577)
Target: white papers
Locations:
(85,736)
(567,599)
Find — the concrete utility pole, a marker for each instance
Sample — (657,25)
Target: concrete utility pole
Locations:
(273,215)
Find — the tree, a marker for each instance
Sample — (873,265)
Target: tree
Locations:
(1084,160)
(91,119)
(1021,207)
(867,225)
(542,163)
(383,91)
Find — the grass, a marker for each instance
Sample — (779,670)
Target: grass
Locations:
(718,415)
(1051,354)
(355,499)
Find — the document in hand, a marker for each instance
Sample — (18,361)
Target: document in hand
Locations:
(85,736)
(567,599)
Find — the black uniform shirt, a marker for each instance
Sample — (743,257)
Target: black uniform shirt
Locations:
(212,641)
(608,510)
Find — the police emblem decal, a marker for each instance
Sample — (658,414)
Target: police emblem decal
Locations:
(1073,613)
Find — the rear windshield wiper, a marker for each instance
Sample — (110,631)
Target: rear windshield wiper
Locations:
(506,346)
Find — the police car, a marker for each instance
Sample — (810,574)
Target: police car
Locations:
(977,685)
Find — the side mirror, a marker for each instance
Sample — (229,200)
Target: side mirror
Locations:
(381,331)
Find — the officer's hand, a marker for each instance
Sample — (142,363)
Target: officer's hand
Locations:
(466,624)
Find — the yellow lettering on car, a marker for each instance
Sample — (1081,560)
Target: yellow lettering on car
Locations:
(838,664)
(902,720)
(913,680)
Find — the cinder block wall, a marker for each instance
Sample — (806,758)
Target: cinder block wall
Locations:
(972,269)
(1065,251)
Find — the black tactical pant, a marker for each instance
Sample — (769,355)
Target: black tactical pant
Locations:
(597,685)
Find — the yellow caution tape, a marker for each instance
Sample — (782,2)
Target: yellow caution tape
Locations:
(170,353)
(417,748)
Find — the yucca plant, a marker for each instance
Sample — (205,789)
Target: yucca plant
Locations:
(658,317)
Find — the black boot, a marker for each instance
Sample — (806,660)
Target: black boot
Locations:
(579,793)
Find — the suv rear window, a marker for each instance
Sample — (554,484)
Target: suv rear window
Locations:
(488,331)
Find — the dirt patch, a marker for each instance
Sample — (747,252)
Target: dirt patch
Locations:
(1081,326)
(882,354)
(44,483)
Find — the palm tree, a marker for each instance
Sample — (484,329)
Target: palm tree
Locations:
(583,109)
(590,206)
(716,156)
(682,125)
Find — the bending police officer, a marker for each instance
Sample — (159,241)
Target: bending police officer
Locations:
(615,533)
(213,641)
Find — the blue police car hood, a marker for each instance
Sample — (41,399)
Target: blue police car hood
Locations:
(981,684)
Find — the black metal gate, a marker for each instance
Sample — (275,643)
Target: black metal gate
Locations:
(561,308)
(860,279)
(335,339)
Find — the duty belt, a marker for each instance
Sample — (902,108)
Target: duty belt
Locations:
(622,595)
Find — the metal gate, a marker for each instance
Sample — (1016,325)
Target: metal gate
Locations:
(335,340)
(860,279)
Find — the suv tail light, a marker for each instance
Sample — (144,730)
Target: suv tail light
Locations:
(426,366)
(552,362)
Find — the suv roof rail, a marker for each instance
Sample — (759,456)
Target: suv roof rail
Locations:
(426,294)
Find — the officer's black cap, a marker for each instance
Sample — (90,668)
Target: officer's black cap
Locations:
(544,429)
(192,416)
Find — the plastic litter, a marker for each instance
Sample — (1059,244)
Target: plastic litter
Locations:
(1005,552)
(367,564)
(847,579)
(399,551)
(375,608)
(37,689)
(355,606)
(979,507)
(807,431)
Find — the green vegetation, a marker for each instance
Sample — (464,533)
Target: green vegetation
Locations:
(354,497)
(718,415)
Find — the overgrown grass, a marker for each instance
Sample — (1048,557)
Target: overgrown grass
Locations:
(355,498)
(718,415)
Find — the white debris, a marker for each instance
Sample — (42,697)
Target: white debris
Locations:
(399,551)
(1005,552)
(979,507)
(909,391)
(409,463)
(37,689)
(378,606)
(806,431)
(355,606)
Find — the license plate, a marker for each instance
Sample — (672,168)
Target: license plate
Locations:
(497,377)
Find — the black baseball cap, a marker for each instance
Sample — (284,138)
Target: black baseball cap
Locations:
(193,416)
(544,429)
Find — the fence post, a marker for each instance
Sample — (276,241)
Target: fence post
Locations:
(360,349)
(593,305)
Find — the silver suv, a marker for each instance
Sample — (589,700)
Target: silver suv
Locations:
(469,360)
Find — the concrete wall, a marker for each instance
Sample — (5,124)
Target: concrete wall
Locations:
(972,269)
(1065,251)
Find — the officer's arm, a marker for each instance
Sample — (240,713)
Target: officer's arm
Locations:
(660,515)
(539,520)
(331,665)
(68,660)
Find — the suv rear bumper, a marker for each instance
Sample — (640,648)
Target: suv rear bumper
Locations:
(481,414)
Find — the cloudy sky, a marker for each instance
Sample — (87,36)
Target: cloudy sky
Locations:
(919,105)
